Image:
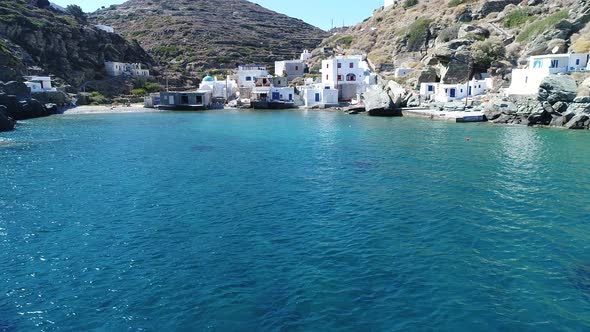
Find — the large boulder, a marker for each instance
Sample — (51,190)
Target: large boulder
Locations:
(18,89)
(456,71)
(579,121)
(467,31)
(556,88)
(377,101)
(495,6)
(6,122)
(397,93)
(427,75)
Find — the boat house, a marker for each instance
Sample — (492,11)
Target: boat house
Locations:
(190,100)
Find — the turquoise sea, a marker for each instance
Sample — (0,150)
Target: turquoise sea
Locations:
(292,221)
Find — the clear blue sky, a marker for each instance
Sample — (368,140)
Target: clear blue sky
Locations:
(317,12)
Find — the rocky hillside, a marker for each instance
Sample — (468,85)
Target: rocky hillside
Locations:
(187,36)
(37,39)
(454,39)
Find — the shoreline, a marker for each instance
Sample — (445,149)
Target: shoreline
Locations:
(106,109)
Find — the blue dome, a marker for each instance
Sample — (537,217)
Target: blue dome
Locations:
(208,79)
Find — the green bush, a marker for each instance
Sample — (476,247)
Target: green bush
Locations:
(486,52)
(138,92)
(417,33)
(152,87)
(532,30)
(345,41)
(516,18)
(410,3)
(455,3)
(97,98)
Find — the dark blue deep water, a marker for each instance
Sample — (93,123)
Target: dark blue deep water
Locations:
(292,221)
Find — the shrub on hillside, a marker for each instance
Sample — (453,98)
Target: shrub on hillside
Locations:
(410,3)
(581,45)
(486,52)
(532,30)
(417,33)
(517,18)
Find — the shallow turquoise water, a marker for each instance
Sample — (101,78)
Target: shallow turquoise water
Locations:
(292,221)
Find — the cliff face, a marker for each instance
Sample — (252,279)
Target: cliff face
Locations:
(58,44)
(187,36)
(452,39)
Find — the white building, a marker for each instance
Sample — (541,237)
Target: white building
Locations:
(403,72)
(246,75)
(527,81)
(39,83)
(449,92)
(128,69)
(219,89)
(350,75)
(290,69)
(105,28)
(305,56)
(318,95)
(272,93)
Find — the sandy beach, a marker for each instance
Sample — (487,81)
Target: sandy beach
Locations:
(101,109)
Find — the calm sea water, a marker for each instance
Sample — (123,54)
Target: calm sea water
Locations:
(292,221)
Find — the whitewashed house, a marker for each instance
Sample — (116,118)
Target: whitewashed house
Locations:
(305,56)
(319,95)
(105,28)
(527,81)
(39,83)
(128,69)
(246,75)
(219,89)
(350,75)
(402,72)
(444,93)
(290,68)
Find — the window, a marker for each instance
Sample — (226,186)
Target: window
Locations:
(339,65)
(328,65)
(431,88)
(296,67)
(351,65)
(577,62)
(327,77)
(340,77)
(248,78)
(526,79)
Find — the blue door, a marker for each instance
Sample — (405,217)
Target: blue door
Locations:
(453,93)
(470,91)
(276,96)
(317,97)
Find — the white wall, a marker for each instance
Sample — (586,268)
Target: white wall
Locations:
(243,76)
(526,81)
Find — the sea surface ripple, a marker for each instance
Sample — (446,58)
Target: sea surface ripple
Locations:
(292,221)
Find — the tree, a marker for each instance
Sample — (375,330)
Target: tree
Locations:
(78,13)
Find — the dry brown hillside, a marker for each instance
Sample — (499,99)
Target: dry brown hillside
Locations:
(188,36)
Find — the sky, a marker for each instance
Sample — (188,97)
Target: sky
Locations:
(320,13)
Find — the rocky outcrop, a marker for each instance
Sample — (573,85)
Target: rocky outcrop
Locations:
(386,99)
(556,88)
(495,6)
(6,122)
(16,104)
(59,45)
